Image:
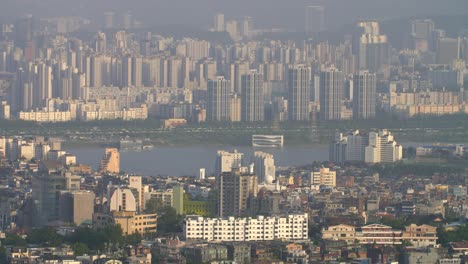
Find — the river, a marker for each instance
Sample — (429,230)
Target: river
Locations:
(186,161)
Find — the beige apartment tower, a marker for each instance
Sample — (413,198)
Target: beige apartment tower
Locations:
(110,162)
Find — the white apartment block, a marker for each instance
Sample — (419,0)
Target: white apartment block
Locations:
(262,228)
(374,147)
(45,116)
(382,148)
(264,167)
(323,177)
(226,161)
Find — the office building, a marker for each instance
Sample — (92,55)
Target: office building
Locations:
(219,100)
(364,95)
(331,94)
(110,163)
(314,19)
(252,97)
(324,177)
(262,228)
(226,161)
(299,93)
(237,193)
(264,167)
(77,207)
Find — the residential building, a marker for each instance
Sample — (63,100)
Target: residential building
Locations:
(237,193)
(421,236)
(299,93)
(261,228)
(110,163)
(324,177)
(340,232)
(331,93)
(264,167)
(226,161)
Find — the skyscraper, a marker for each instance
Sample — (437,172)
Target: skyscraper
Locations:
(364,89)
(219,23)
(299,93)
(237,193)
(331,93)
(218,102)
(109,20)
(448,49)
(373,47)
(252,97)
(314,19)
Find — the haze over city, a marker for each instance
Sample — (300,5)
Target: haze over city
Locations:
(250,132)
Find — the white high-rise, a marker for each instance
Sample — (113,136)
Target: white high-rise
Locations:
(364,95)
(218,101)
(264,167)
(219,24)
(226,161)
(382,148)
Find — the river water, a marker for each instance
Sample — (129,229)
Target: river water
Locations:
(186,161)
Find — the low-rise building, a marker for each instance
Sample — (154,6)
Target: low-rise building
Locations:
(340,232)
(131,223)
(421,236)
(290,227)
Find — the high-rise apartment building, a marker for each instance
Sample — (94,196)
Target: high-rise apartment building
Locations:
(314,19)
(448,49)
(331,93)
(218,100)
(110,162)
(373,147)
(264,167)
(235,108)
(226,161)
(218,23)
(252,97)
(299,93)
(373,47)
(382,148)
(237,193)
(364,95)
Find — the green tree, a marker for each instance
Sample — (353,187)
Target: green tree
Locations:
(133,239)
(153,206)
(14,240)
(45,236)
(80,249)
(3,255)
(169,221)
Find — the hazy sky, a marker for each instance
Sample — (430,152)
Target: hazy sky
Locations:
(198,13)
